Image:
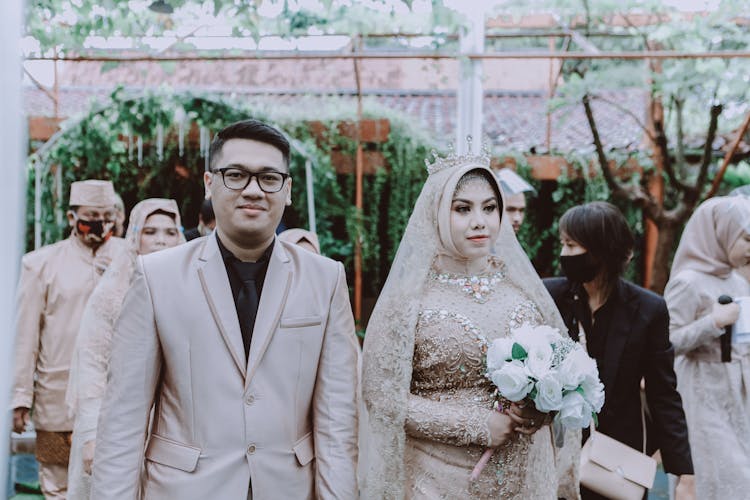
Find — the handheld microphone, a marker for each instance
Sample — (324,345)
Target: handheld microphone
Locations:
(726,337)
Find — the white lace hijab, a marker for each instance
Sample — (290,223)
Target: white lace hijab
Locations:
(389,340)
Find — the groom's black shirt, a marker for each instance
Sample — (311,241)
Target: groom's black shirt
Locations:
(245,304)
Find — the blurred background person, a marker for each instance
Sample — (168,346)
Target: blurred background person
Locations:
(302,237)
(515,209)
(713,259)
(154,225)
(625,329)
(119,216)
(56,281)
(206,222)
(514,189)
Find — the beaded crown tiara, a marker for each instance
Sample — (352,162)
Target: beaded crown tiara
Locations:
(453,160)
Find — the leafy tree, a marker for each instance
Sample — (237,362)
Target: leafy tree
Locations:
(691,102)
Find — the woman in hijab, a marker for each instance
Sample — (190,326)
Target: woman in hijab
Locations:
(429,404)
(154,225)
(713,259)
(624,328)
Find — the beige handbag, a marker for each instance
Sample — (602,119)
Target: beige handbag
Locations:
(613,469)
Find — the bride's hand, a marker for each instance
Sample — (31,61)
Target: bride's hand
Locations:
(501,429)
(527,419)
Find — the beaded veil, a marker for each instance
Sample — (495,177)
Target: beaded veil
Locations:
(390,338)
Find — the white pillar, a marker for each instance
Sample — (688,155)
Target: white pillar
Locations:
(470,91)
(12,206)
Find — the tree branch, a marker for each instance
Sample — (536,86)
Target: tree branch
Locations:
(628,112)
(663,147)
(637,194)
(39,85)
(680,153)
(716,110)
(728,156)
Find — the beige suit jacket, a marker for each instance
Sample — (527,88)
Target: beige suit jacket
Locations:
(55,283)
(285,420)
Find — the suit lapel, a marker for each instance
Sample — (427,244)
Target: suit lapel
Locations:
(622,319)
(272,300)
(215,283)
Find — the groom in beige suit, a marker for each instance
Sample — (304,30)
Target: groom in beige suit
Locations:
(244,347)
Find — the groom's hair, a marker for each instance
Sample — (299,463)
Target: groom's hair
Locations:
(251,129)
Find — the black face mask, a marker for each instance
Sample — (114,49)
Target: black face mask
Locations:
(95,231)
(579,268)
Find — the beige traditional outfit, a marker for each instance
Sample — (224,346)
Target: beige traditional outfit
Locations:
(427,397)
(714,394)
(55,283)
(297,235)
(88,371)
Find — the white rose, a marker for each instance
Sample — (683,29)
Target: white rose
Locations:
(574,368)
(499,353)
(593,391)
(525,335)
(549,395)
(550,334)
(539,360)
(513,381)
(575,412)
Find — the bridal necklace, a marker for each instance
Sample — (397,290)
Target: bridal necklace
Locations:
(478,286)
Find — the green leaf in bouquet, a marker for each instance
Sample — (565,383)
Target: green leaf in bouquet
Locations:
(595,416)
(518,352)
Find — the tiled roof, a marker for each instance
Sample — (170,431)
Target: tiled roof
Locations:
(513,120)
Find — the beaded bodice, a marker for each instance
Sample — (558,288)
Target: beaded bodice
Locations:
(451,396)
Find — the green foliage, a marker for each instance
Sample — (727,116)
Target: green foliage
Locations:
(65,25)
(518,352)
(539,235)
(102,144)
(736,177)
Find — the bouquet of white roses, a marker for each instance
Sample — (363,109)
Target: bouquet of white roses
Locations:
(537,363)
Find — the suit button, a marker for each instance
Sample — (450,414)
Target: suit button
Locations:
(250,399)
(251,449)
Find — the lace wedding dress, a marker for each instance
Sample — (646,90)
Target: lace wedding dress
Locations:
(446,423)
(427,399)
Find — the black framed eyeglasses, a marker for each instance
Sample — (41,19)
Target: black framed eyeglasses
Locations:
(237,179)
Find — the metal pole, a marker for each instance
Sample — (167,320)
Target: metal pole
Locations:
(12,196)
(298,55)
(310,197)
(38,169)
(728,157)
(358,197)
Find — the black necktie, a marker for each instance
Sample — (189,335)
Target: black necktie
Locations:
(247,300)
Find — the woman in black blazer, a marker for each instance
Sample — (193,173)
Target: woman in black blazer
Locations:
(627,333)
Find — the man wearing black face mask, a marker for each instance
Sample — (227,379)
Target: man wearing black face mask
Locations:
(625,328)
(55,283)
